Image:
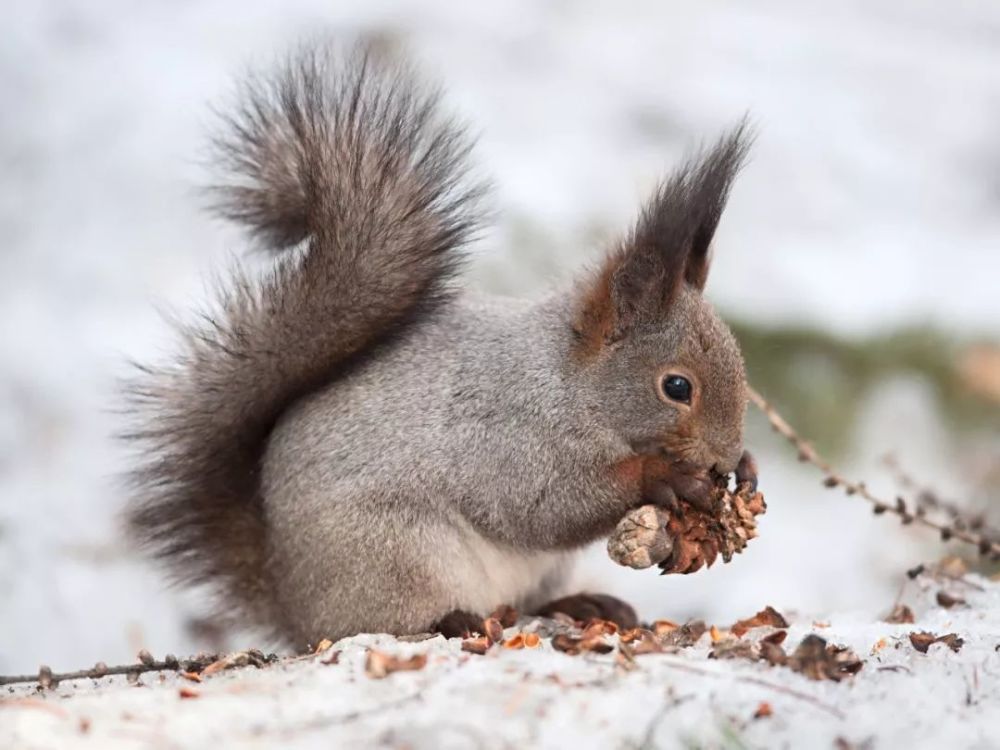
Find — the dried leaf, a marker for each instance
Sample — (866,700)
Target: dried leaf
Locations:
(568,644)
(192,676)
(922,641)
(777,637)
(662,627)
(946,600)
(714,634)
(900,615)
(767,617)
(596,644)
(323,645)
(819,661)
(531,640)
(686,635)
(379,664)
(477,645)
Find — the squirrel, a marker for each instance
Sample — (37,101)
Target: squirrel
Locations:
(351,443)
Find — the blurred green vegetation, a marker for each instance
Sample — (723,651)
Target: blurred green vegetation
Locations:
(819,381)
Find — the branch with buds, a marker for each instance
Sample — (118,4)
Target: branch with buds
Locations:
(907,512)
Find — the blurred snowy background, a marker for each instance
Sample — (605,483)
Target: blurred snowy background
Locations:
(867,224)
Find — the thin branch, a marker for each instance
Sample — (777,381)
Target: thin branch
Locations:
(928,499)
(899,508)
(47,678)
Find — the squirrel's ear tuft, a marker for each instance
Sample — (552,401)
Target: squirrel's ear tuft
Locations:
(668,246)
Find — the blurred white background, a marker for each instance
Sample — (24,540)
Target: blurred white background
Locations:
(872,200)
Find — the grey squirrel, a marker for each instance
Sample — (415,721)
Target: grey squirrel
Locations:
(353,444)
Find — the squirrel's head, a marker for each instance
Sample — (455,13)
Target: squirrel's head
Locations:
(665,371)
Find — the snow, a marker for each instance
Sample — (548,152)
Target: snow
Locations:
(871,200)
(543,698)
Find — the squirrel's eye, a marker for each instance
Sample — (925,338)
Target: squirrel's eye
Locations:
(677,388)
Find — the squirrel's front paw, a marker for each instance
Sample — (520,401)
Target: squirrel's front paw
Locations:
(667,483)
(640,540)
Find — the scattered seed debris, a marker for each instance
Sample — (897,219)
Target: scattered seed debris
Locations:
(922,641)
(946,600)
(763,710)
(477,645)
(900,615)
(767,617)
(379,664)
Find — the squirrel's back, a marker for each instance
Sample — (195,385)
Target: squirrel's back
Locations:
(347,158)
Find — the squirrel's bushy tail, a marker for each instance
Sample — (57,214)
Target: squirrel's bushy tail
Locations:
(347,157)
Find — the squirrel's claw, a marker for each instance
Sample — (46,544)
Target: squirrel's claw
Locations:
(746,471)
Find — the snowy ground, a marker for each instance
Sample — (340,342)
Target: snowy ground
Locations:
(871,200)
(538,697)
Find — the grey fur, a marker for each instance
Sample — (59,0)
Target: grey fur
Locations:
(349,448)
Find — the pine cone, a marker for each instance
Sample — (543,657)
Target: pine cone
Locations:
(691,539)
(700,537)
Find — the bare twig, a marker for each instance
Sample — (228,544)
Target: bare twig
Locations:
(929,500)
(47,678)
(899,508)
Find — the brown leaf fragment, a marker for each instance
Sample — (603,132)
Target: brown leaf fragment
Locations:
(686,635)
(531,640)
(819,661)
(322,646)
(506,614)
(188,692)
(493,630)
(477,645)
(568,644)
(596,628)
(952,641)
(900,615)
(662,627)
(191,676)
(946,600)
(763,710)
(634,634)
(596,644)
(776,638)
(767,617)
(379,664)
(923,640)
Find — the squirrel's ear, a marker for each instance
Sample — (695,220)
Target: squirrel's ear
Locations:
(668,246)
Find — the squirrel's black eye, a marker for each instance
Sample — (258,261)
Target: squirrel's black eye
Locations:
(677,388)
